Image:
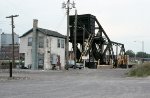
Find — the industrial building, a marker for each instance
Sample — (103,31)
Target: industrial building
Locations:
(92,44)
(6,46)
(6,39)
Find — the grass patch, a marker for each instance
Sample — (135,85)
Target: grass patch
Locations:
(142,70)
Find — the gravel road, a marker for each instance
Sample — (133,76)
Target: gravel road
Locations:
(86,83)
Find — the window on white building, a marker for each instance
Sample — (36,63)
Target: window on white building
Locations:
(58,43)
(62,43)
(47,42)
(29,41)
(41,42)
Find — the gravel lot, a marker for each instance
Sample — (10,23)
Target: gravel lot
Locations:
(85,83)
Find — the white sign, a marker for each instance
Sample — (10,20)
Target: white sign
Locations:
(85,57)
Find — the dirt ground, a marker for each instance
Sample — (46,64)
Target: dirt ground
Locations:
(84,83)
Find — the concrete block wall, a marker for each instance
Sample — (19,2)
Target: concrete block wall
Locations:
(24,48)
(58,51)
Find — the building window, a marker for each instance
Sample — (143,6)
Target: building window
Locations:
(30,41)
(58,43)
(47,42)
(62,43)
(41,42)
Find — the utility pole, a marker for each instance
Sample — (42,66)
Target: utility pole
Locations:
(13,57)
(68,6)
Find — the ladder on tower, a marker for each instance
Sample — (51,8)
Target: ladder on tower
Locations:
(87,46)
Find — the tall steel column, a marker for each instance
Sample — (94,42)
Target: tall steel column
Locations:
(68,29)
(75,36)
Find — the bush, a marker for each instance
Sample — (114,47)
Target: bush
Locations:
(6,65)
(140,71)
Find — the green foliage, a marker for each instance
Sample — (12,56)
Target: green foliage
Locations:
(6,64)
(139,54)
(141,70)
(142,55)
(130,53)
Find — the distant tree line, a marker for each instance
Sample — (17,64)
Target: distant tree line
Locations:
(138,54)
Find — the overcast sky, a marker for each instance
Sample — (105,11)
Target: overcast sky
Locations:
(124,21)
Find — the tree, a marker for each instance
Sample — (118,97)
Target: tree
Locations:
(130,53)
(142,55)
(148,55)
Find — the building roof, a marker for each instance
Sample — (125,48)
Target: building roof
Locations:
(47,32)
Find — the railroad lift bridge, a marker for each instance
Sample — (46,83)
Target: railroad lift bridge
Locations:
(93,42)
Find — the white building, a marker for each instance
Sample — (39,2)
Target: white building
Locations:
(51,47)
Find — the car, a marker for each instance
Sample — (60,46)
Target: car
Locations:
(79,65)
(71,64)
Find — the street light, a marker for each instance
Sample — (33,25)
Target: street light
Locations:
(68,6)
(142,43)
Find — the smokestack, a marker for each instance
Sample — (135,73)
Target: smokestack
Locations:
(34,45)
(35,23)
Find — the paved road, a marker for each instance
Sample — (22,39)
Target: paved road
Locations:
(86,83)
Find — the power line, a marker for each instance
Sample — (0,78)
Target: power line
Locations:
(60,23)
